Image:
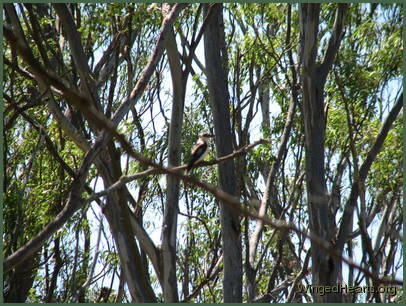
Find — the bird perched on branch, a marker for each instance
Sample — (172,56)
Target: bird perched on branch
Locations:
(199,151)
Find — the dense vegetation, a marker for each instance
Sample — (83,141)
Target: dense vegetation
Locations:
(103,101)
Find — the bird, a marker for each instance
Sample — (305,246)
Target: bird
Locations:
(199,151)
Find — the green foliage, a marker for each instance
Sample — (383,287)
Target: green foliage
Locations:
(361,89)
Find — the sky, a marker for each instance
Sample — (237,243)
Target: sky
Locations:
(151,218)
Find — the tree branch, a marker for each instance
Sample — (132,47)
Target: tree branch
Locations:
(335,39)
(78,53)
(248,208)
(153,171)
(346,222)
(253,243)
(142,82)
(73,203)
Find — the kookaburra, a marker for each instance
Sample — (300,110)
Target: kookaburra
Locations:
(199,151)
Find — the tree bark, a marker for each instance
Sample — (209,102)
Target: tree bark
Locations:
(117,210)
(171,210)
(21,280)
(219,101)
(118,216)
(326,270)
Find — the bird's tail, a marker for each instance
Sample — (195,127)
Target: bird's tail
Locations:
(188,168)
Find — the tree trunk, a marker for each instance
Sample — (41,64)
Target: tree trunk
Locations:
(21,280)
(169,228)
(118,216)
(219,101)
(326,271)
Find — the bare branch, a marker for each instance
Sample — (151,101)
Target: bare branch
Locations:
(270,182)
(152,171)
(78,53)
(142,82)
(346,222)
(335,39)
(248,208)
